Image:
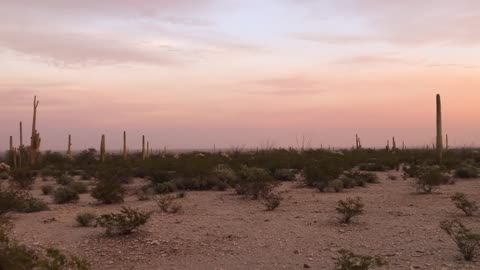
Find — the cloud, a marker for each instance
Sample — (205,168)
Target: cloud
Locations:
(401,22)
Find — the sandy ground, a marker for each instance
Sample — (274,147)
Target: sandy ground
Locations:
(219,230)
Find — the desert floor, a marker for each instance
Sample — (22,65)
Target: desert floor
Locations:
(219,230)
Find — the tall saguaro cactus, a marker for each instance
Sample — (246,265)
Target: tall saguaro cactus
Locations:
(20,147)
(144,154)
(69,147)
(35,139)
(394,144)
(102,149)
(439,147)
(124,145)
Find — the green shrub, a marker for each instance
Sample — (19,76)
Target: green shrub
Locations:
(225,174)
(29,204)
(145,193)
(430,177)
(254,182)
(15,256)
(64,180)
(349,209)
(47,189)
(466,171)
(271,201)
(467,241)
(108,189)
(462,203)
(350,261)
(319,175)
(124,222)
(79,187)
(366,177)
(372,167)
(85,219)
(284,174)
(167,204)
(4,176)
(348,182)
(23,178)
(63,195)
(336,185)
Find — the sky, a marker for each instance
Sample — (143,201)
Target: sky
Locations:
(194,73)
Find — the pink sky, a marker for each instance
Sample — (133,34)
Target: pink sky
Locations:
(193,73)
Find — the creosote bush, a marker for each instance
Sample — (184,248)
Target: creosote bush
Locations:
(63,195)
(123,223)
(15,256)
(47,189)
(430,177)
(86,219)
(284,174)
(350,261)
(320,174)
(108,189)
(12,199)
(64,180)
(466,171)
(79,187)
(167,204)
(468,242)
(23,178)
(254,182)
(350,208)
(271,200)
(462,203)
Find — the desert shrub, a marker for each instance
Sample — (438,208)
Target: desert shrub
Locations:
(64,179)
(145,193)
(12,199)
(366,177)
(349,209)
(85,219)
(4,175)
(430,177)
(123,223)
(181,194)
(225,174)
(392,177)
(466,171)
(271,200)
(47,189)
(348,182)
(29,204)
(372,167)
(23,178)
(350,261)
(284,174)
(15,256)
(462,203)
(85,176)
(63,195)
(79,187)
(411,171)
(320,174)
(108,188)
(167,204)
(467,241)
(336,185)
(254,182)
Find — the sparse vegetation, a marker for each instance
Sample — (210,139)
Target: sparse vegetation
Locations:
(108,189)
(167,204)
(350,208)
(123,223)
(254,182)
(351,261)
(462,203)
(468,242)
(63,195)
(271,201)
(430,177)
(79,187)
(85,219)
(47,189)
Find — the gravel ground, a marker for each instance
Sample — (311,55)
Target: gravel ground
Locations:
(219,230)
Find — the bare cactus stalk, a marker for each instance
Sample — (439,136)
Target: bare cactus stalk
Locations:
(388,145)
(144,156)
(446,142)
(69,147)
(148,149)
(102,149)
(35,139)
(124,145)
(403,145)
(20,147)
(439,130)
(394,145)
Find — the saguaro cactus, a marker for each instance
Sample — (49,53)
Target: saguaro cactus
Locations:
(102,149)
(144,154)
(124,145)
(35,139)
(394,144)
(20,147)
(446,142)
(439,147)
(69,147)
(148,149)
